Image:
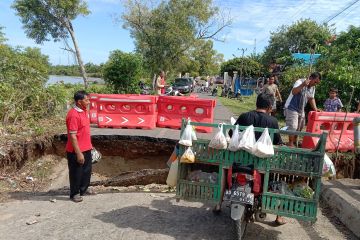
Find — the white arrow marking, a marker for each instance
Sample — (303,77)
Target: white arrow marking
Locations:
(141,120)
(125,120)
(108,119)
(101,107)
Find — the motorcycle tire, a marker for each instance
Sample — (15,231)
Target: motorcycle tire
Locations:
(239,229)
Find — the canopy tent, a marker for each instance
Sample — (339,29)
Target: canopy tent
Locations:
(306,57)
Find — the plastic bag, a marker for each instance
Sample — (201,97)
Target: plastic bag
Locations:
(193,134)
(95,156)
(263,147)
(328,167)
(188,156)
(187,135)
(219,141)
(172,157)
(234,141)
(232,121)
(247,141)
(172,176)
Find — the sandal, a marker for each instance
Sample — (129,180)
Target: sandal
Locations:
(280,221)
(77,198)
(89,191)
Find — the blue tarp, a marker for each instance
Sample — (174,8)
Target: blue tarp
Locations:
(306,57)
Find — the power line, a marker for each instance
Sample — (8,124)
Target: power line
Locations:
(337,14)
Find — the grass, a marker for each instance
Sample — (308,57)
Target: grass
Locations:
(248,103)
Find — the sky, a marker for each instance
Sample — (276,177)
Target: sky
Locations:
(252,21)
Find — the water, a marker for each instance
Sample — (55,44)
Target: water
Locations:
(71,79)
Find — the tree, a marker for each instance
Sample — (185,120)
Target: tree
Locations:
(163,35)
(297,38)
(123,72)
(243,65)
(44,18)
(208,58)
(340,65)
(2,36)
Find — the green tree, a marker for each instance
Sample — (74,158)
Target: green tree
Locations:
(208,58)
(340,65)
(42,19)
(123,71)
(299,37)
(163,35)
(2,36)
(245,66)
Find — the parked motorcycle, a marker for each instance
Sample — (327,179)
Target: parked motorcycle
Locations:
(244,195)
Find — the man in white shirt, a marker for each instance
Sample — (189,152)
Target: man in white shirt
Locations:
(302,92)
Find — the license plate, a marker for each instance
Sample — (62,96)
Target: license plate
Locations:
(239,196)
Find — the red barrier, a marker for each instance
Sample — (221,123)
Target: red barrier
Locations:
(334,123)
(127,111)
(93,107)
(171,110)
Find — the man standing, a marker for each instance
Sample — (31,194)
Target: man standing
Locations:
(272,89)
(78,147)
(302,92)
(160,83)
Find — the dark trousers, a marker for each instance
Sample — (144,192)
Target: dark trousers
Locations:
(79,175)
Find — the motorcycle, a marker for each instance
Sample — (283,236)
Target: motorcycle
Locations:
(244,195)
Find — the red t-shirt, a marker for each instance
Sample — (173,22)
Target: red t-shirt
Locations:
(77,121)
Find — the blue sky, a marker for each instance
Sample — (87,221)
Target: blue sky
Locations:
(98,33)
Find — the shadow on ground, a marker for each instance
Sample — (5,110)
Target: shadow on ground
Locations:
(178,221)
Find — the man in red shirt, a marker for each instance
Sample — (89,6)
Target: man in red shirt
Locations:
(78,146)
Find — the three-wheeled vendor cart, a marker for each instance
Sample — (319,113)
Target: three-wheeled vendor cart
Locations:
(287,165)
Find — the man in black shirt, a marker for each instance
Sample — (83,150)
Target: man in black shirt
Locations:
(261,118)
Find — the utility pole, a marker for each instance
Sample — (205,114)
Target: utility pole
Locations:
(254,47)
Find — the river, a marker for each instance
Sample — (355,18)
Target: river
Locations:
(71,79)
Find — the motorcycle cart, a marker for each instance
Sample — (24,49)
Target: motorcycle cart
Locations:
(286,165)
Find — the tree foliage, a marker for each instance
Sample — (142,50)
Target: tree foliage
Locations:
(164,35)
(23,95)
(299,37)
(123,71)
(245,66)
(52,18)
(340,65)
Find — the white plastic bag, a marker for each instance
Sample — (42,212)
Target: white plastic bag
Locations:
(193,134)
(328,167)
(232,121)
(172,176)
(247,140)
(235,139)
(263,147)
(219,140)
(188,156)
(187,135)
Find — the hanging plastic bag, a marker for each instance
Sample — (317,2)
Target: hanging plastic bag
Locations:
(219,140)
(234,141)
(193,134)
(247,140)
(263,147)
(172,176)
(328,167)
(232,121)
(187,135)
(188,156)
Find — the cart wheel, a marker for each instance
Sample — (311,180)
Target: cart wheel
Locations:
(260,216)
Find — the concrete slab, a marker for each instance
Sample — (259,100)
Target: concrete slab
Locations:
(343,195)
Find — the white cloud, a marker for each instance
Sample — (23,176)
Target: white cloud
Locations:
(255,19)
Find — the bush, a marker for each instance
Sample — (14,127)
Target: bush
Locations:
(122,72)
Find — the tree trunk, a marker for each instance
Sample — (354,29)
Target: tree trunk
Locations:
(78,55)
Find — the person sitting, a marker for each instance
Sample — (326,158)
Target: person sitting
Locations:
(261,118)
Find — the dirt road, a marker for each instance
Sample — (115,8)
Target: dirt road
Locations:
(143,216)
